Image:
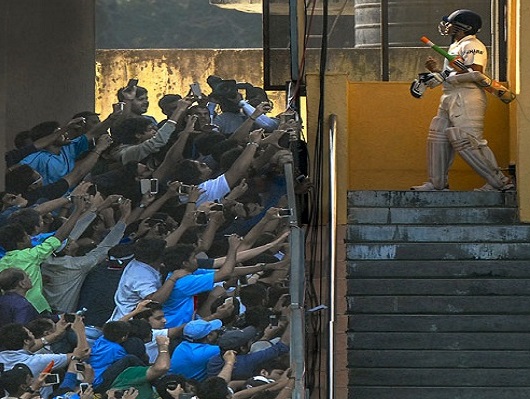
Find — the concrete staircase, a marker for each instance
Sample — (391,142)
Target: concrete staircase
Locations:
(438,296)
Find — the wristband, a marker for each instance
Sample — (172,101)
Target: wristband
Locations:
(142,206)
(44,341)
(252,118)
(171,121)
(99,153)
(253,143)
(75,358)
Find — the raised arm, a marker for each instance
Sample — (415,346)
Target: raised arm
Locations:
(243,162)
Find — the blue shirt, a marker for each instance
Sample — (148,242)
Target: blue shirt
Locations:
(190,359)
(53,167)
(104,353)
(178,309)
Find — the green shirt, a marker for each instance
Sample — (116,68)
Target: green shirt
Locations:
(29,260)
(135,377)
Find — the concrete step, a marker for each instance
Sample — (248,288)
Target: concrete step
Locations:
(432,216)
(438,251)
(437,233)
(424,199)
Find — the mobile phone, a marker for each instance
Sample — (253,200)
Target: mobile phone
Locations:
(51,379)
(301,178)
(229,299)
(184,189)
(243,279)
(273,320)
(132,82)
(149,186)
(196,90)
(201,218)
(69,317)
(118,106)
(284,213)
(80,367)
(118,394)
(216,207)
(84,386)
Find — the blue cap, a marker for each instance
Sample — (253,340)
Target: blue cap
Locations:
(197,329)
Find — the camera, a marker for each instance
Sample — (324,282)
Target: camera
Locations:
(201,218)
(216,207)
(84,386)
(184,189)
(284,213)
(273,320)
(80,367)
(51,379)
(132,83)
(118,394)
(196,90)
(69,317)
(149,186)
(92,190)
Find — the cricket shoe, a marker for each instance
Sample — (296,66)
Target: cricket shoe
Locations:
(428,186)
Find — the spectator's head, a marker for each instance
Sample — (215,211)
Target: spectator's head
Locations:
(21,179)
(206,142)
(140,329)
(214,388)
(253,295)
(43,129)
(220,301)
(116,331)
(91,119)
(180,256)
(14,278)
(190,171)
(273,368)
(23,139)
(256,95)
(140,104)
(228,158)
(202,331)
(203,115)
(238,340)
(17,380)
(168,103)
(149,250)
(15,336)
(154,315)
(120,255)
(170,382)
(13,236)
(41,327)
(134,130)
(29,219)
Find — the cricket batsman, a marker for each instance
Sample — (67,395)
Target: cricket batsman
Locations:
(459,123)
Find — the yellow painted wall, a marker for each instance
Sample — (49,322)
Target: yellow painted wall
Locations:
(387,133)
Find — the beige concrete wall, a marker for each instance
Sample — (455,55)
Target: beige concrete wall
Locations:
(172,71)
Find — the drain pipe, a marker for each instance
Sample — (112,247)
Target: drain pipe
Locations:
(333,252)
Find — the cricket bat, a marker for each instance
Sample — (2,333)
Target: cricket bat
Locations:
(494,87)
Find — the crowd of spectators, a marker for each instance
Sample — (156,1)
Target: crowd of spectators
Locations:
(142,259)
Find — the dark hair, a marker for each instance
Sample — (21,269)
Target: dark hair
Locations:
(187,172)
(206,142)
(115,330)
(10,235)
(140,91)
(149,250)
(147,313)
(140,328)
(12,336)
(12,380)
(28,218)
(9,278)
(213,388)
(43,129)
(228,158)
(219,301)
(21,139)
(169,381)
(19,178)
(126,131)
(175,256)
(222,147)
(39,326)
(252,295)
